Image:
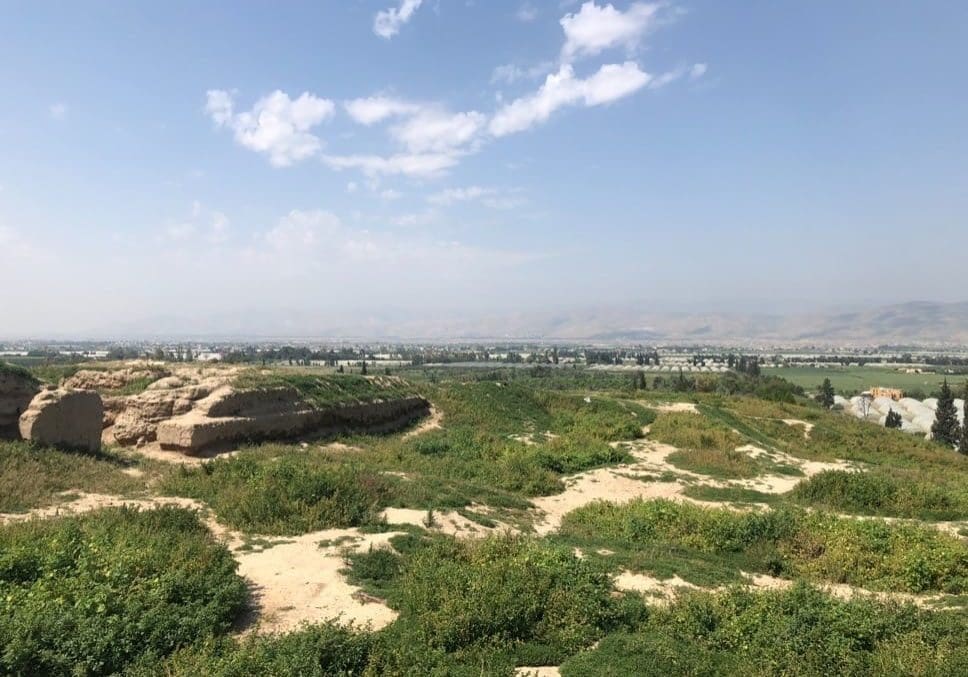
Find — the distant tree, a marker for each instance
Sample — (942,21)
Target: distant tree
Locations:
(963,440)
(340,370)
(363,370)
(946,428)
(658,383)
(638,382)
(826,394)
(554,355)
(893,420)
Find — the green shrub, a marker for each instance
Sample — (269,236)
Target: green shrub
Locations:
(291,494)
(317,651)
(879,493)
(505,590)
(89,595)
(796,632)
(816,545)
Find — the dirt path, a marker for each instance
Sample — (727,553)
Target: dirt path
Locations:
(665,591)
(296,581)
(433,422)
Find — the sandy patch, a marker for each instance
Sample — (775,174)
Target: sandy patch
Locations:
(807,426)
(85,502)
(663,591)
(297,581)
(432,422)
(677,408)
(446,522)
(543,671)
(844,591)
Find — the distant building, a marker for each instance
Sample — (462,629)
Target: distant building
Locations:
(893,393)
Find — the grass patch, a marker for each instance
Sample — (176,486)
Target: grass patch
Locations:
(797,632)
(32,476)
(91,595)
(292,494)
(739,495)
(327,390)
(784,542)
(879,493)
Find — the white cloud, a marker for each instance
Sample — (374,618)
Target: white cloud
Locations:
(277,125)
(390,194)
(512,73)
(593,28)
(491,198)
(351,187)
(452,195)
(697,71)
(409,164)
(58,111)
(387,22)
(610,83)
(370,110)
(438,131)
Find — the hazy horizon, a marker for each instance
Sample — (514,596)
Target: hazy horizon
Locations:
(402,162)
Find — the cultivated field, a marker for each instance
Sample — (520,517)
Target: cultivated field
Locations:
(857,379)
(543,522)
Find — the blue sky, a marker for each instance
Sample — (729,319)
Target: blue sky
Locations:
(368,156)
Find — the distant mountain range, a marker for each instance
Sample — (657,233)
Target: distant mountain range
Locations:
(907,323)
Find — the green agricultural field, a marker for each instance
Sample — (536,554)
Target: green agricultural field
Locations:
(857,379)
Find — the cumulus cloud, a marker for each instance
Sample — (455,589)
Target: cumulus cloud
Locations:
(388,22)
(697,71)
(277,125)
(370,110)
(438,131)
(408,164)
(611,83)
(595,28)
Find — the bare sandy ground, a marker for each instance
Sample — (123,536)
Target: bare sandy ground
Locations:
(296,582)
(807,426)
(543,671)
(432,422)
(677,407)
(665,591)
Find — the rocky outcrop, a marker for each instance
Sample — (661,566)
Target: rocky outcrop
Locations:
(230,416)
(17,389)
(64,418)
(115,379)
(138,416)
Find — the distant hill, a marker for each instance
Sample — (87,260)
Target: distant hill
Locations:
(907,323)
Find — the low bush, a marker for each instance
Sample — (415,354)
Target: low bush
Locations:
(879,493)
(290,494)
(90,595)
(815,545)
(796,632)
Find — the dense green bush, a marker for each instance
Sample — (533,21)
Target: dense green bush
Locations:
(290,494)
(505,590)
(816,545)
(317,651)
(89,595)
(878,493)
(796,632)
